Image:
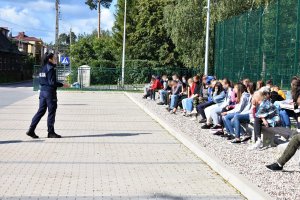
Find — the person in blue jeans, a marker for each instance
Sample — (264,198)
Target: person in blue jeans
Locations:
(176,90)
(286,114)
(243,100)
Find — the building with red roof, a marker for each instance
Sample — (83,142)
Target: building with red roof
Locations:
(30,45)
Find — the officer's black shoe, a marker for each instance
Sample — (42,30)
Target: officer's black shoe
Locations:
(32,134)
(53,135)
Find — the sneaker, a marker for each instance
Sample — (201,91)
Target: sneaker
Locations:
(194,112)
(258,144)
(202,121)
(32,134)
(212,131)
(274,167)
(160,103)
(194,118)
(230,137)
(219,133)
(246,138)
(216,127)
(172,112)
(236,141)
(53,135)
(225,135)
(205,126)
(188,114)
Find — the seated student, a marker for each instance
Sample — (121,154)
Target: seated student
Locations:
(164,91)
(206,94)
(147,88)
(187,103)
(266,114)
(193,100)
(293,145)
(285,114)
(223,107)
(269,83)
(259,84)
(183,95)
(154,87)
(246,82)
(243,98)
(176,90)
(275,88)
(219,96)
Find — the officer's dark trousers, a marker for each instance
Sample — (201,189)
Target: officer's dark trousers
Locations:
(47,100)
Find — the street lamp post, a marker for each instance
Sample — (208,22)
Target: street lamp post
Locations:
(207,38)
(124,45)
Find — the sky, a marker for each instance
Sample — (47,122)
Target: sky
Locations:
(37,17)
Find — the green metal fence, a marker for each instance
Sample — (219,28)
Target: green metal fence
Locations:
(260,44)
(108,78)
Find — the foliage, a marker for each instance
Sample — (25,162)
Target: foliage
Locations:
(93,4)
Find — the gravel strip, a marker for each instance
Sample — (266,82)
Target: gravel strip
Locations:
(250,164)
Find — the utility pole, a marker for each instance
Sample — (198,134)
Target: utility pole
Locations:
(99,17)
(56,29)
(124,45)
(207,38)
(70,45)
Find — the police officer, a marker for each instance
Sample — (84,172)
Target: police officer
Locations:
(48,97)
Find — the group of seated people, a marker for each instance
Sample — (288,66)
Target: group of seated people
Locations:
(222,107)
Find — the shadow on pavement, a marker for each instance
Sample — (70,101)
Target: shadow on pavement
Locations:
(16,85)
(19,141)
(107,135)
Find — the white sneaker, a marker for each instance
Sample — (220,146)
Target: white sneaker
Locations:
(194,118)
(258,144)
(194,112)
(212,131)
(188,114)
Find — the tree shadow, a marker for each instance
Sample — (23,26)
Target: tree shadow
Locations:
(107,135)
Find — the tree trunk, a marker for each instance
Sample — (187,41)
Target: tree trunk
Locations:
(99,18)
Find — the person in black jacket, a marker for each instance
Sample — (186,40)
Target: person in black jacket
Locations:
(48,97)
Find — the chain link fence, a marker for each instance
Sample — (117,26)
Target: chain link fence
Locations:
(109,78)
(261,44)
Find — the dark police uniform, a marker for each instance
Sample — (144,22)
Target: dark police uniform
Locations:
(48,97)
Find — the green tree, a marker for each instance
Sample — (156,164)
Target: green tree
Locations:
(96,4)
(185,23)
(118,27)
(150,40)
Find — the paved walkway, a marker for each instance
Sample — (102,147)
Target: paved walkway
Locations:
(111,150)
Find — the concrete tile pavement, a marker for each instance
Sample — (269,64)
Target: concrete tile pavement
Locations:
(111,150)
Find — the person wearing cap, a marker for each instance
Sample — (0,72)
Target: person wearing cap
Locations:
(48,97)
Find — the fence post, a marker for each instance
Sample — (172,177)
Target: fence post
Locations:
(260,60)
(234,37)
(223,49)
(246,38)
(276,36)
(297,39)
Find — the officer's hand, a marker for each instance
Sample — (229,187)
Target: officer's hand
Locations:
(59,84)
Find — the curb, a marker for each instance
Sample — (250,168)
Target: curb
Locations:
(243,185)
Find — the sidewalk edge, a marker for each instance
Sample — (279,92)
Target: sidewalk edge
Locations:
(243,185)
